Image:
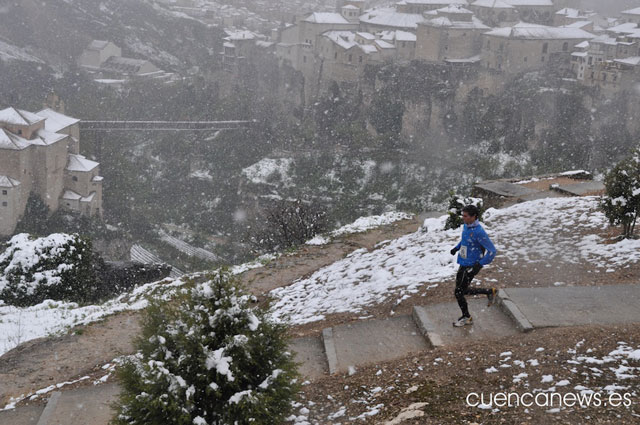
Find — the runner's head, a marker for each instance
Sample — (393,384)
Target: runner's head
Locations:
(470,214)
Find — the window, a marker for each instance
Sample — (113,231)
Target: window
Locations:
(74,178)
(525,58)
(542,59)
(360,59)
(335,55)
(4,192)
(488,43)
(350,58)
(4,204)
(404,43)
(545,47)
(19,131)
(590,60)
(304,59)
(604,77)
(565,46)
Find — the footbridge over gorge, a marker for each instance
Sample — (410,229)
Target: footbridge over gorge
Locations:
(108,126)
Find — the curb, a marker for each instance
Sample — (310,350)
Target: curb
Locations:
(330,350)
(426,326)
(512,310)
(49,408)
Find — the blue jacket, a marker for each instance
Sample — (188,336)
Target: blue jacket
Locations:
(474,241)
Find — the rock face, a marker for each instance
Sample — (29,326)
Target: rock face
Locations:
(120,276)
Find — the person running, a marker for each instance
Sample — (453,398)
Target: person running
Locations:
(476,251)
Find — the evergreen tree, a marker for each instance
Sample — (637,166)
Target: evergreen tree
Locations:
(622,203)
(208,358)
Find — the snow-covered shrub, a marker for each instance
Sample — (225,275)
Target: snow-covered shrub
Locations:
(622,203)
(59,267)
(287,224)
(208,358)
(456,204)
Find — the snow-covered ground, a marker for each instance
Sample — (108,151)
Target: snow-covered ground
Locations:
(543,232)
(261,171)
(21,324)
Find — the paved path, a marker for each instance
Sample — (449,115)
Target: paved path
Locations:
(369,342)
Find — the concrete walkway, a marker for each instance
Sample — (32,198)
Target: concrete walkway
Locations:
(368,342)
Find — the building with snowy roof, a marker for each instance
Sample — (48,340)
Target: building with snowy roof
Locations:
(494,12)
(404,42)
(568,16)
(526,47)
(39,154)
(97,53)
(344,54)
(608,62)
(534,11)
(389,19)
(452,34)
(631,15)
(421,6)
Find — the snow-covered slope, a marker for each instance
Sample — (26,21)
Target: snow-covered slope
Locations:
(545,232)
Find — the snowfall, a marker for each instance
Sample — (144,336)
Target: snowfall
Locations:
(395,269)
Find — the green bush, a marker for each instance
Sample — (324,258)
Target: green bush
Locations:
(622,203)
(208,358)
(59,267)
(456,204)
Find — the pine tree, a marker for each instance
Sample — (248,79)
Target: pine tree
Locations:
(622,203)
(208,358)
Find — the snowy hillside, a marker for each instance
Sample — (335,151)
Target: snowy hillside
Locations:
(546,232)
(543,233)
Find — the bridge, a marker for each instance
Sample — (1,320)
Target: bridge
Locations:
(108,126)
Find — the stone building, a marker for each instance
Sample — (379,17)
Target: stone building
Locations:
(403,41)
(535,11)
(389,19)
(527,47)
(494,13)
(105,58)
(453,34)
(569,16)
(344,54)
(421,6)
(97,53)
(39,154)
(631,15)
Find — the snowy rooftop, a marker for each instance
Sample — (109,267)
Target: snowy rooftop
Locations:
(434,2)
(11,141)
(97,45)
(6,181)
(635,11)
(18,117)
(55,120)
(233,35)
(398,35)
(443,21)
(455,8)
(633,61)
(70,195)
(392,19)
(80,163)
(626,28)
(578,24)
(493,4)
(326,18)
(525,3)
(347,40)
(532,32)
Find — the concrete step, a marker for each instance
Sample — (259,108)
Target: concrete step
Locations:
(87,405)
(576,305)
(24,415)
(372,341)
(435,322)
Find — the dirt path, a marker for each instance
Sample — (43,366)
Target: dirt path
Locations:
(42,362)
